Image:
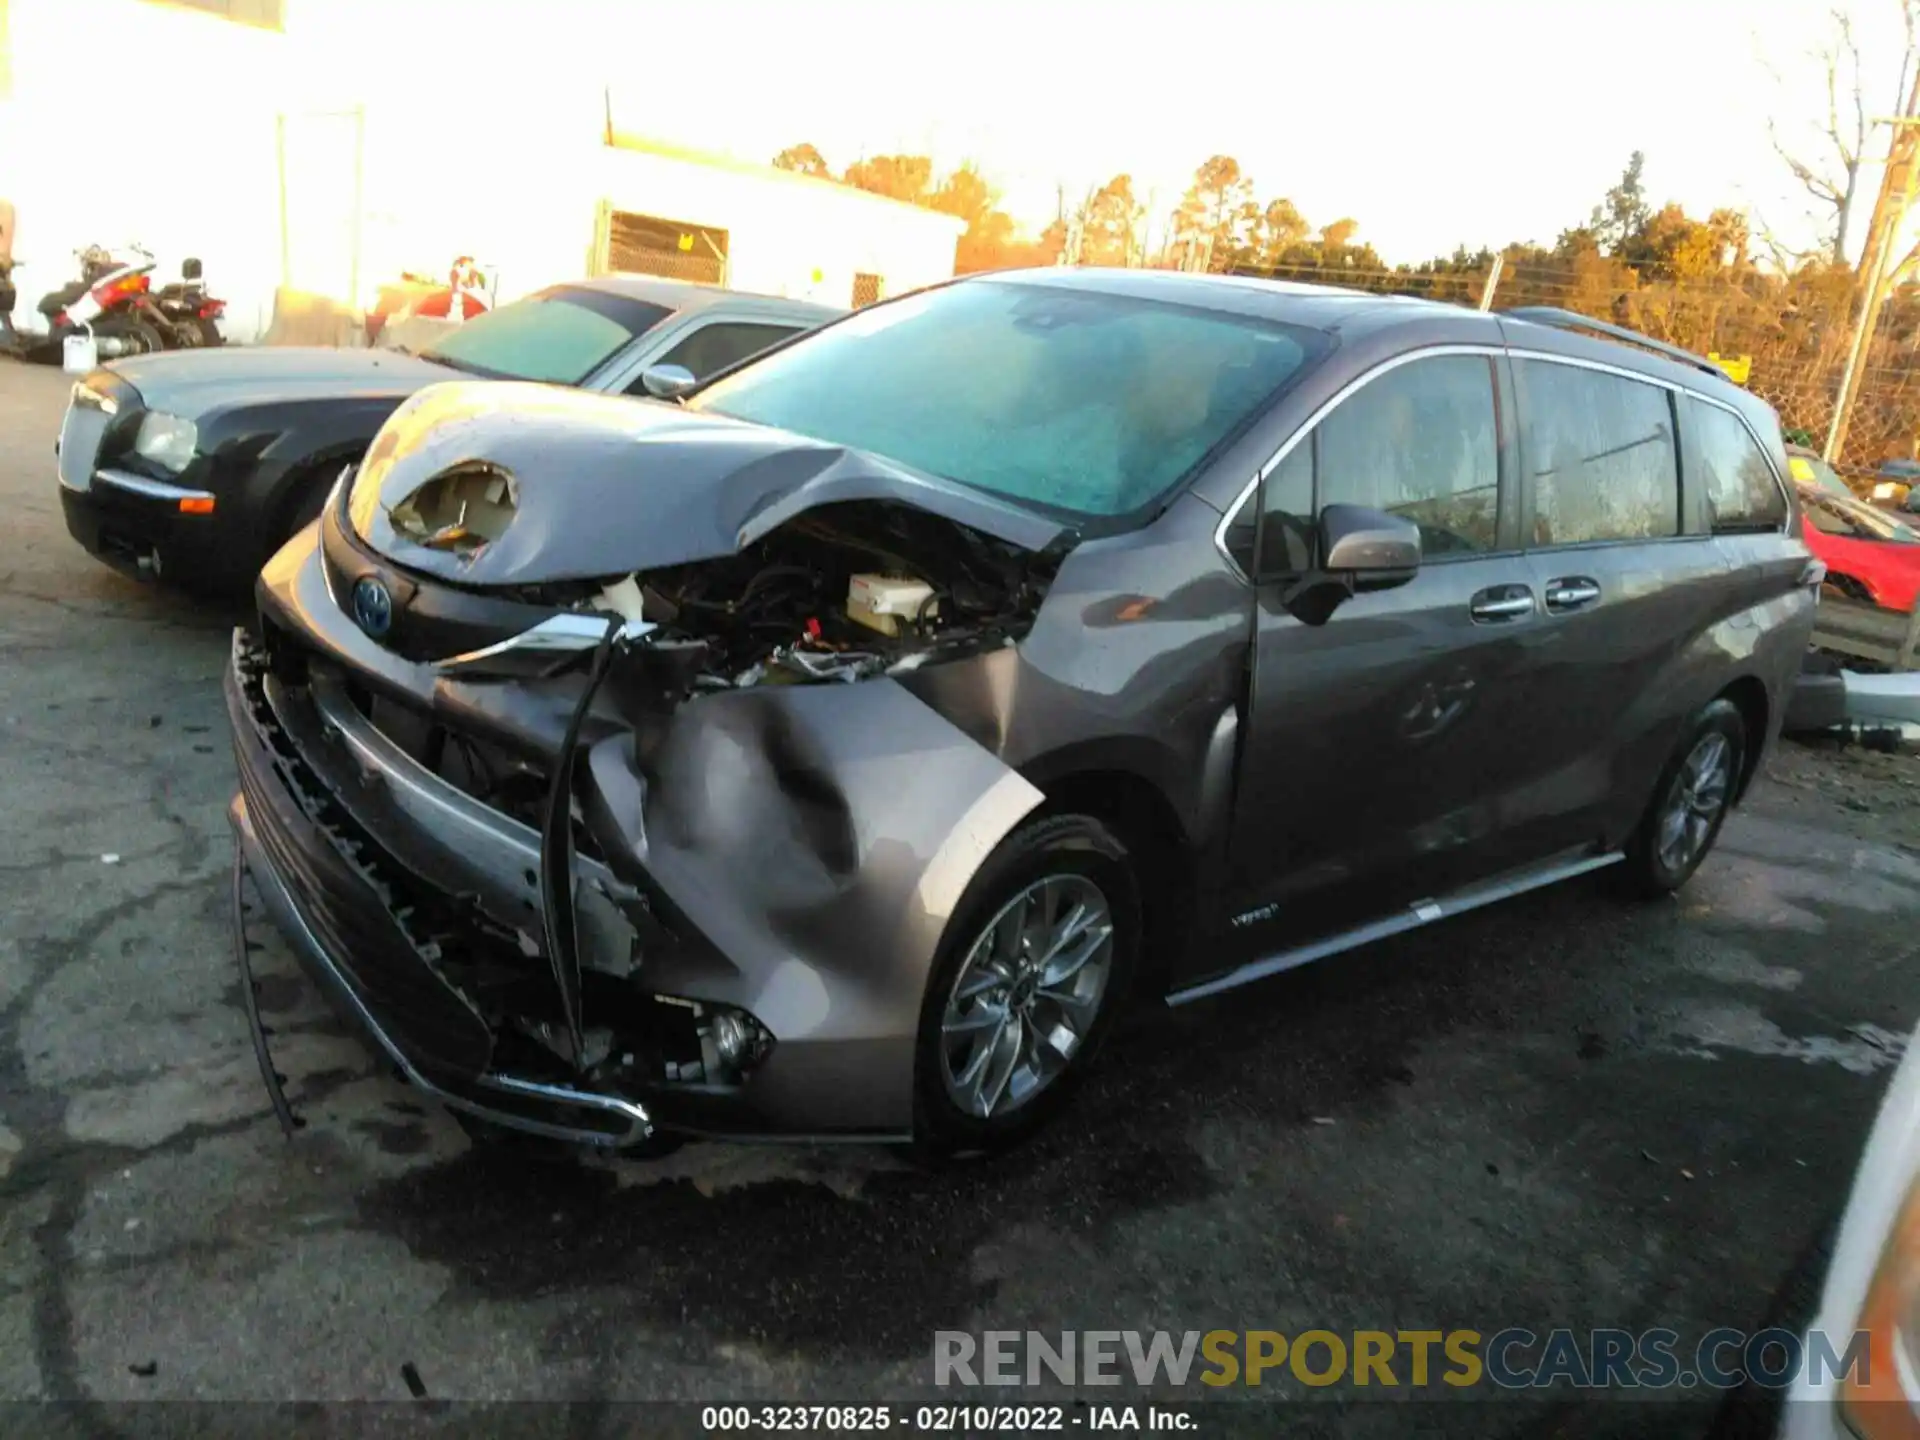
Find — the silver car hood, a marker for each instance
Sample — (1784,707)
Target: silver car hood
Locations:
(604,485)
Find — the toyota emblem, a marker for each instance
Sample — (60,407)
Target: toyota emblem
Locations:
(373,606)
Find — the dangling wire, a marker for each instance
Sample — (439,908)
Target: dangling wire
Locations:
(556,853)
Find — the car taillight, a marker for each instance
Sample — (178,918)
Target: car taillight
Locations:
(211,308)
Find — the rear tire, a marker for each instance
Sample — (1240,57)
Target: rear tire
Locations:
(1038,958)
(143,335)
(1690,803)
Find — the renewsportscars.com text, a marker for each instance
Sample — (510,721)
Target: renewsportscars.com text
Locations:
(1511,1359)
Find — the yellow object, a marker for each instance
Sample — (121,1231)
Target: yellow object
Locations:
(1798,467)
(1738,367)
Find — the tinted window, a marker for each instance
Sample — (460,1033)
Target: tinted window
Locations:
(1285,507)
(1600,451)
(561,336)
(712,348)
(1420,442)
(1088,404)
(1741,490)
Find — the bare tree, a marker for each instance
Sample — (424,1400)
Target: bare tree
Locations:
(1828,158)
(1830,171)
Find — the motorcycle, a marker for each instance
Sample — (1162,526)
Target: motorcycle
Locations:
(191,315)
(108,301)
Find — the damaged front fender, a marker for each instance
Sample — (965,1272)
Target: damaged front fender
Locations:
(820,838)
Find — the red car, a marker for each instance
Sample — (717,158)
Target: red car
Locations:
(1870,555)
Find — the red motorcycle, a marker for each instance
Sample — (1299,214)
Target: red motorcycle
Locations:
(108,301)
(113,301)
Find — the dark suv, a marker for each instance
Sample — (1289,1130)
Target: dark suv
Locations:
(830,752)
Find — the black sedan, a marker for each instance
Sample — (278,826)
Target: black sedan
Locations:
(197,465)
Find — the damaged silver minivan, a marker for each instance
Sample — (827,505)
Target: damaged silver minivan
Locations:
(831,752)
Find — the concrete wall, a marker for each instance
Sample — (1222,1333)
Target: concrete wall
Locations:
(395,161)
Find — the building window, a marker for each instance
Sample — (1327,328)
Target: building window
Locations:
(266,14)
(676,249)
(866,288)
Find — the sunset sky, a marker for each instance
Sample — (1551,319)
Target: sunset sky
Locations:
(1475,121)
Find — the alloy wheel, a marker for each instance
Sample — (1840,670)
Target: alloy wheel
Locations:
(1027,995)
(1695,802)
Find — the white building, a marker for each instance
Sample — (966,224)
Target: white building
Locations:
(328,145)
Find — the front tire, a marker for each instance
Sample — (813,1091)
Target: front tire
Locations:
(1037,959)
(1690,803)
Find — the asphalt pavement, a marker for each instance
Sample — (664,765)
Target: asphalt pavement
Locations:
(1568,1111)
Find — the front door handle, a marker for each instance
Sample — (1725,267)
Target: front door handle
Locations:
(1575,592)
(1502,604)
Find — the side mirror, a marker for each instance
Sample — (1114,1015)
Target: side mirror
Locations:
(1360,550)
(667,382)
(1378,550)
(190,269)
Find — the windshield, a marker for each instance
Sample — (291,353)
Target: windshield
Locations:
(1082,404)
(1863,519)
(1812,470)
(560,335)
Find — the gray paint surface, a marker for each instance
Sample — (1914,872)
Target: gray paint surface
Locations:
(1523,1063)
(1285,780)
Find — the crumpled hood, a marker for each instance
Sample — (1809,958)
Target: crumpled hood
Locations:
(604,485)
(196,382)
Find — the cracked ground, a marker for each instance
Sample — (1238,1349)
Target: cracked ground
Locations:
(1565,1111)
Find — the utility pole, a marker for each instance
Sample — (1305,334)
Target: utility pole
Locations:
(1493,280)
(1897,187)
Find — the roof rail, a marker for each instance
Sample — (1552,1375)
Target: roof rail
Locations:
(1573,320)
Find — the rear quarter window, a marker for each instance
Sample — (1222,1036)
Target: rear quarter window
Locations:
(1741,489)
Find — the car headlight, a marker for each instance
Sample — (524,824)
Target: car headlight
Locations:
(167,440)
(1882,1404)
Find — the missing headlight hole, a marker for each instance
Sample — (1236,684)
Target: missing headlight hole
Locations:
(459,510)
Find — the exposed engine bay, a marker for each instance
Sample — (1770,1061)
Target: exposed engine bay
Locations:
(840,593)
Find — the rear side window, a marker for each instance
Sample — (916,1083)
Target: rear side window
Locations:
(1742,493)
(1599,452)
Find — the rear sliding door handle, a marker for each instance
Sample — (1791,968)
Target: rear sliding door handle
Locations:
(1575,592)
(1502,604)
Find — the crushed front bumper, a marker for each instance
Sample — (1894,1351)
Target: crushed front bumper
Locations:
(791,854)
(323,887)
